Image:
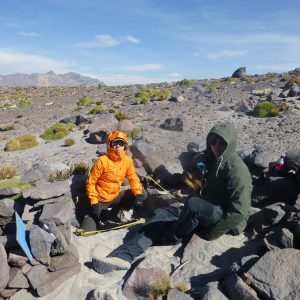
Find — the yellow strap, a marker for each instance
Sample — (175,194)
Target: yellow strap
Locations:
(82,232)
(148,176)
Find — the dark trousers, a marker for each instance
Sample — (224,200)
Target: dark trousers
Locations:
(125,200)
(172,223)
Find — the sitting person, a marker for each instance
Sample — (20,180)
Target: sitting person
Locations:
(224,206)
(104,181)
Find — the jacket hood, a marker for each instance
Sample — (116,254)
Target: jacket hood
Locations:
(110,151)
(228,132)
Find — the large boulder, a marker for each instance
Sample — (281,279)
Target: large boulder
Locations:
(239,73)
(276,275)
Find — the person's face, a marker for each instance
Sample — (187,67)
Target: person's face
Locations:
(118,145)
(217,145)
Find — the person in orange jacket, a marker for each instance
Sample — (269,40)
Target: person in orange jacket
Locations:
(107,175)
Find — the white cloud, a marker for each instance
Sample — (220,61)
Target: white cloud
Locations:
(225,53)
(132,39)
(28,34)
(100,41)
(175,75)
(18,62)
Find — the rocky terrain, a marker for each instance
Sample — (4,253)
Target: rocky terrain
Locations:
(161,130)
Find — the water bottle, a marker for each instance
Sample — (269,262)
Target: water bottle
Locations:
(280,164)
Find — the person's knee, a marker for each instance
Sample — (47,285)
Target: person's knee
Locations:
(192,204)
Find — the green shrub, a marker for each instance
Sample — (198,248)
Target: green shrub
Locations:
(59,175)
(185,83)
(97,109)
(135,132)
(21,143)
(291,79)
(69,142)
(71,126)
(145,96)
(56,132)
(23,103)
(211,85)
(7,171)
(85,101)
(265,109)
(14,182)
(121,116)
(112,110)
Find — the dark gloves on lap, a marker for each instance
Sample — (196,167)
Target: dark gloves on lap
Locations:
(139,199)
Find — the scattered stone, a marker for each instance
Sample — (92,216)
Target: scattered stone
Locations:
(4,267)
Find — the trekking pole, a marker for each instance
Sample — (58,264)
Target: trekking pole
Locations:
(149,177)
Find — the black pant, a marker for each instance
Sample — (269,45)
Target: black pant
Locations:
(125,200)
(174,223)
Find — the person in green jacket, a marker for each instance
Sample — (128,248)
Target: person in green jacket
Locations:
(222,208)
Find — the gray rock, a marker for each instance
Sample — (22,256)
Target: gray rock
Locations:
(4,267)
(286,238)
(17,279)
(7,293)
(22,295)
(210,292)
(60,212)
(69,259)
(9,191)
(274,214)
(125,126)
(100,127)
(76,119)
(178,124)
(155,266)
(147,153)
(174,294)
(295,90)
(99,295)
(17,258)
(237,289)
(7,207)
(40,244)
(55,279)
(50,190)
(37,276)
(292,159)
(267,275)
(239,73)
(38,171)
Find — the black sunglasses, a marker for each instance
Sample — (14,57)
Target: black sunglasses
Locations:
(214,140)
(118,143)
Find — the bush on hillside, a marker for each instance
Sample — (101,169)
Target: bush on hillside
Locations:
(7,171)
(185,83)
(97,109)
(21,143)
(23,103)
(143,97)
(56,132)
(265,109)
(69,142)
(121,116)
(134,133)
(85,101)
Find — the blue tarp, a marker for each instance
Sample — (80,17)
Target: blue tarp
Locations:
(21,237)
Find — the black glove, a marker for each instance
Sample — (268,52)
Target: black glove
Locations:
(139,199)
(96,211)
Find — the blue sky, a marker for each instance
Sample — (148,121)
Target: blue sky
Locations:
(142,41)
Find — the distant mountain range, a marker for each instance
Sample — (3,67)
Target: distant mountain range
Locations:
(48,79)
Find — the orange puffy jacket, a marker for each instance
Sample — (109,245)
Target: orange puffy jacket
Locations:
(109,171)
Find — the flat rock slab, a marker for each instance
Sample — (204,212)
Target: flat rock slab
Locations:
(205,261)
(276,274)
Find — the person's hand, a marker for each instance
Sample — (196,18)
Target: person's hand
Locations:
(139,199)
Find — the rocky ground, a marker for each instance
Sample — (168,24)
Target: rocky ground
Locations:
(227,268)
(203,104)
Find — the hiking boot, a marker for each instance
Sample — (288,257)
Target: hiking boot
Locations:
(88,223)
(109,264)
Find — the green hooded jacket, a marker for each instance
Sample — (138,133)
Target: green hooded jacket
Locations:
(228,184)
